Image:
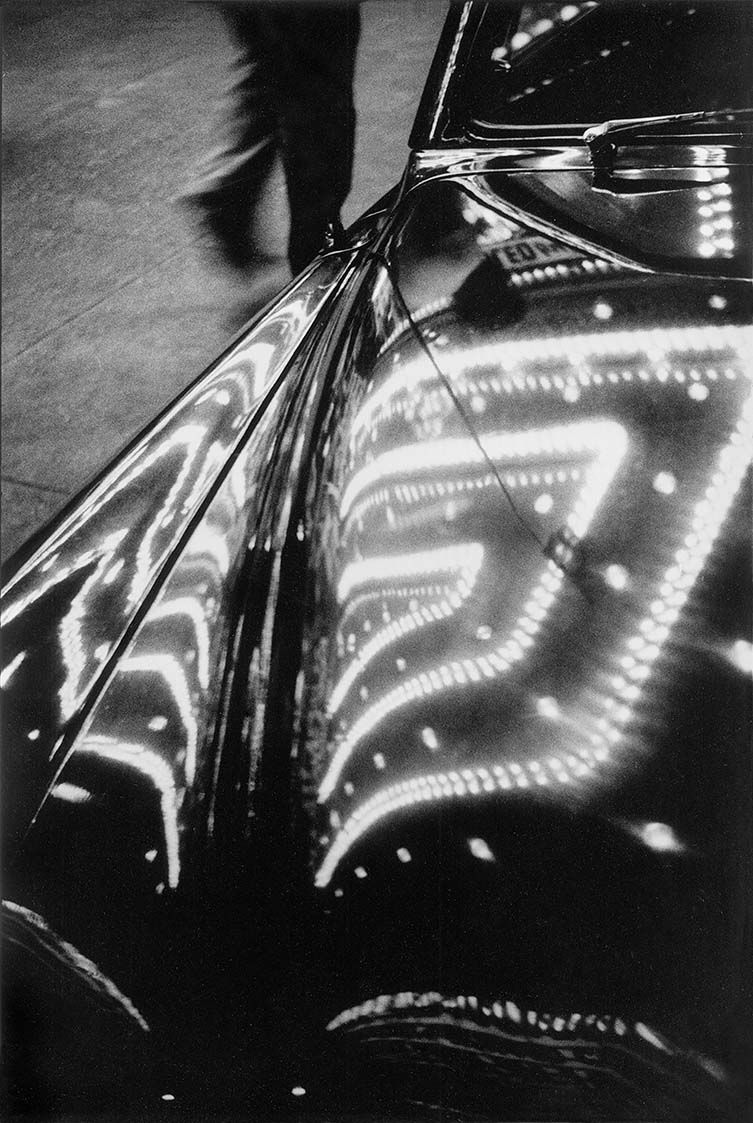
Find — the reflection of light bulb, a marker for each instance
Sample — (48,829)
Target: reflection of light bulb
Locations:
(480,849)
(742,655)
(616,576)
(9,671)
(71,793)
(429,738)
(660,837)
(520,40)
(665,483)
(548,708)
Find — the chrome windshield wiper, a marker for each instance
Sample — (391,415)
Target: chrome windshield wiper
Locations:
(601,135)
(603,141)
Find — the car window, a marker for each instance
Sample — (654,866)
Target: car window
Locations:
(548,63)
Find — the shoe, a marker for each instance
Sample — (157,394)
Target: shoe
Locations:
(307,242)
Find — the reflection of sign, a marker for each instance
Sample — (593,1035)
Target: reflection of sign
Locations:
(522,253)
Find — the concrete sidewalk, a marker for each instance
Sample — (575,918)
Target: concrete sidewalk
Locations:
(109,306)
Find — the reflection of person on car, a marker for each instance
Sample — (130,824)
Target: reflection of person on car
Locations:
(293,93)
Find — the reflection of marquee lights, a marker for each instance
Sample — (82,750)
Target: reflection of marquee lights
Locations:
(151,765)
(608,441)
(643,649)
(15,609)
(500,1010)
(560,271)
(71,647)
(191,607)
(466,559)
(716,223)
(465,782)
(511,357)
(635,668)
(467,556)
(171,671)
(455,488)
(72,957)
(583,1031)
(190,436)
(430,456)
(9,670)
(209,542)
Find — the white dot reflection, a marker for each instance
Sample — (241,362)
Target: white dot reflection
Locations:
(717,302)
(665,483)
(71,793)
(298,1090)
(429,738)
(379,761)
(603,311)
(616,576)
(404,855)
(10,670)
(480,849)
(543,504)
(548,708)
(698,392)
(742,656)
(649,1035)
(660,837)
(360,873)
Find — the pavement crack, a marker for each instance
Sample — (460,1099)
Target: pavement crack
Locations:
(132,280)
(35,486)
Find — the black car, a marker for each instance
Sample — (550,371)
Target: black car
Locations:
(377,726)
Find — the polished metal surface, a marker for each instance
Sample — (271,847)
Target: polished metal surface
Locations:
(379,725)
(72,607)
(533,526)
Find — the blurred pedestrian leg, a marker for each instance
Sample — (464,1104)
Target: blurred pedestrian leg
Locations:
(293,94)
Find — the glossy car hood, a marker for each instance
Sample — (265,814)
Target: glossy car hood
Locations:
(528,672)
(443,687)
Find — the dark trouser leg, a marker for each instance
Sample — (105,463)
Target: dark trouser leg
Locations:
(250,140)
(235,173)
(317,51)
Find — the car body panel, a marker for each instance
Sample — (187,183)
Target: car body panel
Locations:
(71,607)
(391,696)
